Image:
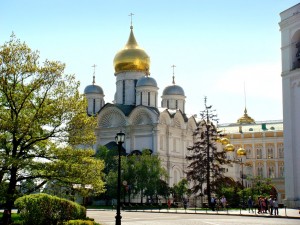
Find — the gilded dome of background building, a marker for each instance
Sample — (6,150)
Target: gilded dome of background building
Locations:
(245,119)
(131,57)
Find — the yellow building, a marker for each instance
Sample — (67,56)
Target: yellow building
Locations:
(263,144)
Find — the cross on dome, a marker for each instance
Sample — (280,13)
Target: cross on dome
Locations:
(131,14)
(94,73)
(173,82)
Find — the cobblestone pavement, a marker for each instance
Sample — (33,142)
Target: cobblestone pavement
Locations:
(189,217)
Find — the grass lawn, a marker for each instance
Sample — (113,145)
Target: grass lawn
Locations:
(14,216)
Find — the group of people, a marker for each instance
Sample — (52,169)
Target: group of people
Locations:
(220,203)
(264,205)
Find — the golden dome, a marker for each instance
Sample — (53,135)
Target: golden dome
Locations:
(224,141)
(131,57)
(241,152)
(229,148)
(245,119)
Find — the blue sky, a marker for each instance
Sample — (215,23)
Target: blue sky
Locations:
(217,46)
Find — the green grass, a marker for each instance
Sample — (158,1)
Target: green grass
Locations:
(14,216)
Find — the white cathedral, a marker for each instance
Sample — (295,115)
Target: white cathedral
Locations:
(165,130)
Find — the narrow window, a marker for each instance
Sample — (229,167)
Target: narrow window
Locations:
(148,98)
(123,92)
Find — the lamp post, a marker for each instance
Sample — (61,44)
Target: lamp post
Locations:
(242,153)
(120,137)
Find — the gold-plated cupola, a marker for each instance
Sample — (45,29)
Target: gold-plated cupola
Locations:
(245,119)
(131,57)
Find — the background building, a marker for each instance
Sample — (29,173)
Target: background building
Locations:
(263,145)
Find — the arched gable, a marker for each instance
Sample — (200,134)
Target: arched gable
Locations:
(164,118)
(142,116)
(111,117)
(192,124)
(178,120)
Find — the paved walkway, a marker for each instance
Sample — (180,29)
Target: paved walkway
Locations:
(283,212)
(189,217)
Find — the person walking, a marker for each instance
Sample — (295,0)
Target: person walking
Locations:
(223,202)
(169,204)
(275,205)
(271,205)
(250,204)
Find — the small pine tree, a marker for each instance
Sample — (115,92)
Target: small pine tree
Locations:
(205,161)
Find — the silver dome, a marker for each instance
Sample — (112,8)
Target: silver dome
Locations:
(146,81)
(173,90)
(93,89)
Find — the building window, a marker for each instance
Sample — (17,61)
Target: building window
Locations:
(248,150)
(258,153)
(271,172)
(123,92)
(167,103)
(281,171)
(135,81)
(270,153)
(141,98)
(94,106)
(176,104)
(260,171)
(148,98)
(280,151)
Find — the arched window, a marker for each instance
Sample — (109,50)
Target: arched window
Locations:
(258,153)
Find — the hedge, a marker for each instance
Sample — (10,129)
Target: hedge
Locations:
(41,209)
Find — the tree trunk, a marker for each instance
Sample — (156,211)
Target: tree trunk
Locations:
(9,201)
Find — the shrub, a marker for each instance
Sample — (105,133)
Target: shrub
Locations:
(40,209)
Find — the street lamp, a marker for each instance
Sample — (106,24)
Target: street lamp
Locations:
(242,153)
(120,138)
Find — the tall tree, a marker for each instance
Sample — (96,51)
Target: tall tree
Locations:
(205,161)
(41,116)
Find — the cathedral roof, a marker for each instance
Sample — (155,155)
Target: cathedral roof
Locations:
(131,57)
(93,89)
(127,109)
(146,81)
(173,90)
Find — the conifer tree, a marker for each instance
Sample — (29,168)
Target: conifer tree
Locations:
(205,161)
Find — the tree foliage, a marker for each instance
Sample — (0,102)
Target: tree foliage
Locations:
(42,115)
(143,175)
(205,161)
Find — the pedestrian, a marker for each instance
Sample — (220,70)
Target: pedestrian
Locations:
(259,205)
(271,205)
(213,203)
(250,204)
(169,204)
(224,202)
(275,205)
(185,202)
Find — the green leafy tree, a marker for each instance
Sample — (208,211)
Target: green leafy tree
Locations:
(142,173)
(180,189)
(205,161)
(42,116)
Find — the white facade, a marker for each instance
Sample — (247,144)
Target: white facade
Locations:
(290,51)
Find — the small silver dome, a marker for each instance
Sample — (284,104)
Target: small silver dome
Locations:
(173,90)
(93,89)
(146,81)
